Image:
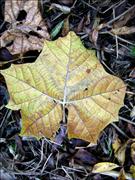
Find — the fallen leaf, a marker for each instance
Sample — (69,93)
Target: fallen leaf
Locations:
(80,25)
(116,144)
(132,170)
(21,43)
(27,33)
(57,29)
(125,18)
(65,75)
(66,27)
(95,32)
(120,153)
(133,152)
(33,20)
(123,30)
(104,166)
(115,174)
(133,54)
(131,129)
(83,157)
(120,150)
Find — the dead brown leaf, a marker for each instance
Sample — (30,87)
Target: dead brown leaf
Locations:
(125,18)
(123,30)
(21,43)
(66,27)
(120,150)
(116,144)
(132,170)
(133,152)
(20,31)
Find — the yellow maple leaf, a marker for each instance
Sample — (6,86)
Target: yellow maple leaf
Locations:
(104,166)
(65,75)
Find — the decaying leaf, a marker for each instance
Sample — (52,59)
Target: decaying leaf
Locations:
(115,174)
(26,33)
(133,152)
(65,75)
(21,43)
(123,30)
(120,153)
(125,17)
(132,170)
(120,150)
(104,166)
(116,144)
(33,20)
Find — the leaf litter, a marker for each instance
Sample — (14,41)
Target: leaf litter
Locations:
(27,28)
(61,164)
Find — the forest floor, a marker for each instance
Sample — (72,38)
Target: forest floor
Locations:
(107,27)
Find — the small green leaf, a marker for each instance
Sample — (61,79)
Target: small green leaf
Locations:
(56,29)
(133,51)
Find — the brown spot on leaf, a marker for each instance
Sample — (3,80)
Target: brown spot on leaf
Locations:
(88,71)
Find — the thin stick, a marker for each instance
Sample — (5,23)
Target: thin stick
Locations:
(66,173)
(89,5)
(116,18)
(119,130)
(46,163)
(112,6)
(42,155)
(116,39)
(126,120)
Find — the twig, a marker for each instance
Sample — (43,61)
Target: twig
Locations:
(120,38)
(116,39)
(124,119)
(66,173)
(89,5)
(42,155)
(46,163)
(74,4)
(119,130)
(116,18)
(112,6)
